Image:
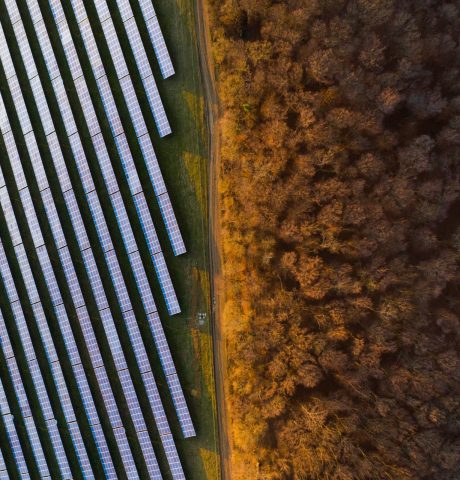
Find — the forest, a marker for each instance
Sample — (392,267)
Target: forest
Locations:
(339,187)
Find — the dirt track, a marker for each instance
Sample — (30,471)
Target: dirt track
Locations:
(217,290)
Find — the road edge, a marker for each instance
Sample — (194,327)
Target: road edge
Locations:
(213,114)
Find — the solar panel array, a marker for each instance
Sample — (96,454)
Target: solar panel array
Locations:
(45,235)
(156,37)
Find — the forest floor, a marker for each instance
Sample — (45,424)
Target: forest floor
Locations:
(217,281)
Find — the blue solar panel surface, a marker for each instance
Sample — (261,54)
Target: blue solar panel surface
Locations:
(50,219)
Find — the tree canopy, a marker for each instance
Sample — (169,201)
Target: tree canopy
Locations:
(341,223)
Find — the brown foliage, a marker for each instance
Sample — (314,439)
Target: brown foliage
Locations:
(340,193)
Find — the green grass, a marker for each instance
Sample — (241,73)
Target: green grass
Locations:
(183,158)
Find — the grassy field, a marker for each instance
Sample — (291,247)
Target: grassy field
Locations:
(183,158)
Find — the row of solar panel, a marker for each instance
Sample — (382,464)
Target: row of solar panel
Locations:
(73,356)
(62,159)
(49,276)
(104,89)
(149,229)
(133,108)
(101,375)
(34,370)
(115,122)
(108,321)
(158,260)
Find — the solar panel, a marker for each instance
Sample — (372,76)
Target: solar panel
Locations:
(5,56)
(85,392)
(12,10)
(63,393)
(57,10)
(36,446)
(94,279)
(71,277)
(4,407)
(172,227)
(99,145)
(156,105)
(149,455)
(19,387)
(143,65)
(173,457)
(161,343)
(75,216)
(104,452)
(24,48)
(45,333)
(147,223)
(27,274)
(77,221)
(157,406)
(166,284)
(105,164)
(59,449)
(136,341)
(48,273)
(59,163)
(36,161)
(128,164)
(9,216)
(147,9)
(123,222)
(46,48)
(125,9)
(4,122)
(67,41)
(137,46)
(64,106)
(20,105)
(109,105)
(53,218)
(153,168)
(34,10)
(90,338)
(79,10)
(102,11)
(109,400)
(23,330)
(125,452)
(142,282)
(7,276)
(42,105)
(15,160)
(31,216)
(114,45)
(40,389)
(131,400)
(133,106)
(2,464)
(15,444)
(159,44)
(117,279)
(87,106)
(91,49)
(99,221)
(113,339)
(80,450)
(181,406)
(66,330)
(81,162)
(5,342)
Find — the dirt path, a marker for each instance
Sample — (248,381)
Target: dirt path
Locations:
(217,288)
